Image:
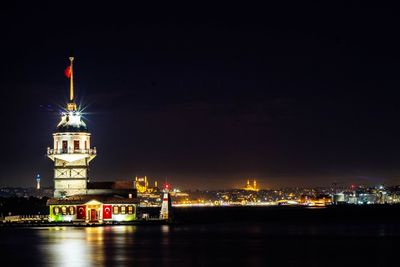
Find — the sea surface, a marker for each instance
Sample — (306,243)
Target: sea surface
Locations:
(237,237)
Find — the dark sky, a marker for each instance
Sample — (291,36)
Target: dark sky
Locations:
(206,95)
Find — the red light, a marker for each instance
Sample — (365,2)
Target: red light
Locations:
(167,186)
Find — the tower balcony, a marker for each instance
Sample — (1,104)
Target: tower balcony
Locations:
(52,152)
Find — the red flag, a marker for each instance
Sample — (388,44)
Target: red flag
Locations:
(68,72)
(81,210)
(107,212)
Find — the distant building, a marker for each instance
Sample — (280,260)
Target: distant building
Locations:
(148,195)
(75,197)
(251,186)
(339,198)
(142,186)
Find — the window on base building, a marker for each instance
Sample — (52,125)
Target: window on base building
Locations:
(115,210)
(123,209)
(56,210)
(71,210)
(130,209)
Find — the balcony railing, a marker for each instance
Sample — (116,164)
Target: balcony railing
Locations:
(91,151)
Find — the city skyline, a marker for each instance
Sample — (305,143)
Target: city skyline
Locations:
(208,100)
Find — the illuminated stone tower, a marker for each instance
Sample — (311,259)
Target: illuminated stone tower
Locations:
(71,150)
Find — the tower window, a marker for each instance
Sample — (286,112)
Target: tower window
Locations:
(64,146)
(76,144)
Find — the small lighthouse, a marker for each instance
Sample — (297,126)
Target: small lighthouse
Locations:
(38,181)
(71,151)
(165,213)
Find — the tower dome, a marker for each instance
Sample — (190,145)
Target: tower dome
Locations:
(71,122)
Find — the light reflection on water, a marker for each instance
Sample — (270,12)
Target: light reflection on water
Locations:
(247,244)
(86,246)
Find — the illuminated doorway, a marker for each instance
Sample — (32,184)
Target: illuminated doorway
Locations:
(93,215)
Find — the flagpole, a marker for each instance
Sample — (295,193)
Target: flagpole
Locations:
(71,85)
(71,106)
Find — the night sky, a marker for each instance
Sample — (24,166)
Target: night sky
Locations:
(204,95)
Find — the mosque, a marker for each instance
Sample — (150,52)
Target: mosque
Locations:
(76,198)
(251,187)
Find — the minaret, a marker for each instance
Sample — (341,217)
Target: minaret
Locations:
(71,150)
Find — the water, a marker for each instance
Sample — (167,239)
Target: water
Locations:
(236,243)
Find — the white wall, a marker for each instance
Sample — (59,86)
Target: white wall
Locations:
(70,137)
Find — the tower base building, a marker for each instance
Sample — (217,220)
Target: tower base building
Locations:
(98,207)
